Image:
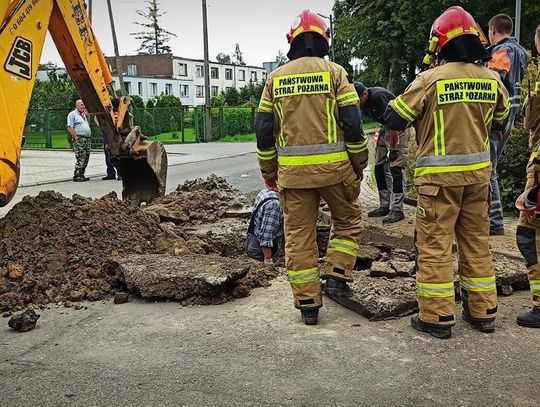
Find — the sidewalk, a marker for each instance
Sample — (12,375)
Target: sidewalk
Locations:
(48,166)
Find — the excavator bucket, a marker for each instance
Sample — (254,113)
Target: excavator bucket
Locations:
(144,171)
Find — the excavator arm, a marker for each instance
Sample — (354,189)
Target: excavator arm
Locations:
(23,24)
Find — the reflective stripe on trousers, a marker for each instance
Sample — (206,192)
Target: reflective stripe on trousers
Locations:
(344,246)
(478,284)
(435,289)
(303,276)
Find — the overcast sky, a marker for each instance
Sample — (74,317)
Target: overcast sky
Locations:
(259,26)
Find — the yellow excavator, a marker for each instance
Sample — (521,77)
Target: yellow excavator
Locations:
(142,164)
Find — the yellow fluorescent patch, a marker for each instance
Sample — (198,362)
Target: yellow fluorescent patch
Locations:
(467,90)
(301,84)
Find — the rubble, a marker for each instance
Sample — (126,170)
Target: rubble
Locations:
(192,279)
(56,249)
(121,298)
(200,201)
(24,321)
(381,298)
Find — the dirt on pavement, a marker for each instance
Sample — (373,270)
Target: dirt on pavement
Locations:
(58,249)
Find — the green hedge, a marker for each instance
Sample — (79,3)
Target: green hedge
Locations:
(226,121)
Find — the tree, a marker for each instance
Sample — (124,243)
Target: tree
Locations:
(232,98)
(390,36)
(155,39)
(223,58)
(281,58)
(237,57)
(56,93)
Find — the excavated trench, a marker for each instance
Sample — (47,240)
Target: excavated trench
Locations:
(186,246)
(55,249)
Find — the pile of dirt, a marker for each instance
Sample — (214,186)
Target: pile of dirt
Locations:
(53,248)
(200,201)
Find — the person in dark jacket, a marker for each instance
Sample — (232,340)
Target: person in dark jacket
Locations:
(509,60)
(390,154)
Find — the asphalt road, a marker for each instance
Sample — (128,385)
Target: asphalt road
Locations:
(255,351)
(241,171)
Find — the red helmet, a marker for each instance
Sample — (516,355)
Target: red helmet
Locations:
(454,22)
(308,21)
(529,201)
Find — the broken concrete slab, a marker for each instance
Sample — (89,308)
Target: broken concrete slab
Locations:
(379,298)
(382,269)
(192,279)
(510,271)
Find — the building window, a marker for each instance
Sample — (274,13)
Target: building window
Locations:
(199,71)
(228,74)
(140,88)
(199,91)
(215,91)
(182,69)
(153,89)
(127,87)
(253,76)
(132,70)
(241,75)
(168,89)
(227,89)
(214,73)
(184,91)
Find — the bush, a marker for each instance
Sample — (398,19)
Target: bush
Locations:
(512,167)
(226,122)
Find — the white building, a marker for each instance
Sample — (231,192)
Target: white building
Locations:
(152,75)
(148,75)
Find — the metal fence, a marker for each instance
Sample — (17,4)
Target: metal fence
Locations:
(46,128)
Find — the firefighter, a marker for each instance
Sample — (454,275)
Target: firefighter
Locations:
(509,60)
(528,230)
(311,144)
(390,154)
(452,107)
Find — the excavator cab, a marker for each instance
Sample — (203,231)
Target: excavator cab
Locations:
(141,163)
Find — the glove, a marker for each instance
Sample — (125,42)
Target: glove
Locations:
(392,155)
(268,261)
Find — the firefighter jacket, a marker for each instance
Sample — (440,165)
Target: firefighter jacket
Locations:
(532,114)
(452,108)
(510,60)
(376,104)
(309,127)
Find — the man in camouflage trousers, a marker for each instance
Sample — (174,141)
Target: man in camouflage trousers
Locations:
(79,129)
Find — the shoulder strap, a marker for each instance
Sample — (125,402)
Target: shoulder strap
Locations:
(251,228)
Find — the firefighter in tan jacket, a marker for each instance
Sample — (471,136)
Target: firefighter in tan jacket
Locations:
(310,144)
(452,107)
(528,230)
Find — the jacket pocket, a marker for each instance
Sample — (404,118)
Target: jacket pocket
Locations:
(427,202)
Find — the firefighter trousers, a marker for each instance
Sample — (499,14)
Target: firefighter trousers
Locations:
(528,241)
(442,214)
(301,210)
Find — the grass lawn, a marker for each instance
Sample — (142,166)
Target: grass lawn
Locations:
(239,137)
(175,137)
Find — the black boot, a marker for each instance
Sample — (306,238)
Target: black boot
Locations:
(483,325)
(310,315)
(438,331)
(378,213)
(393,217)
(336,288)
(529,319)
